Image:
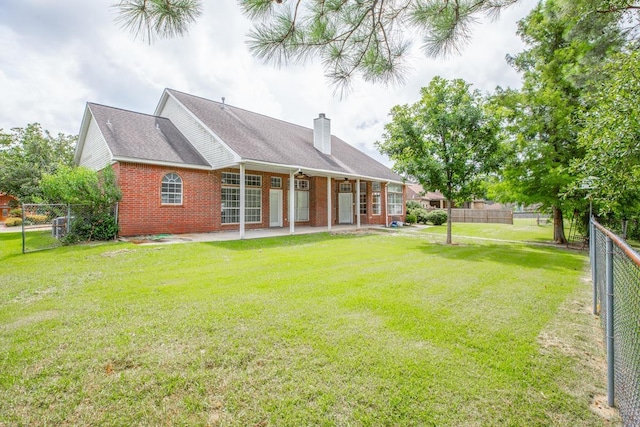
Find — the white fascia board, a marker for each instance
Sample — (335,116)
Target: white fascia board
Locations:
(163,100)
(82,134)
(160,163)
(236,156)
(320,172)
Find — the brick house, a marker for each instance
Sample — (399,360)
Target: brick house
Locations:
(5,205)
(198,165)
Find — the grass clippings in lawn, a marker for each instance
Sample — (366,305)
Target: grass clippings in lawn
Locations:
(359,330)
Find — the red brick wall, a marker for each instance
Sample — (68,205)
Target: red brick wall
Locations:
(318,202)
(141,211)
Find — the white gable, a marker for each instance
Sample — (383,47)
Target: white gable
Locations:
(214,152)
(95,153)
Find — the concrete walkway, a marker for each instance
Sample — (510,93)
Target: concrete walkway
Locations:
(222,236)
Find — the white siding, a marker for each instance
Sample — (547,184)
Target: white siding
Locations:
(95,152)
(211,149)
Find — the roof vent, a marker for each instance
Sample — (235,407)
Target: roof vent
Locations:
(222,103)
(108,122)
(322,134)
(157,126)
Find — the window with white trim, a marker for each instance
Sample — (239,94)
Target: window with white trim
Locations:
(363,198)
(301,202)
(376,203)
(230,201)
(301,184)
(171,191)
(253,205)
(230,198)
(233,178)
(345,187)
(230,178)
(276,182)
(302,206)
(253,180)
(394,204)
(375,186)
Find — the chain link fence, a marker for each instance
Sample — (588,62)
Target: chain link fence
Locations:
(615,268)
(48,226)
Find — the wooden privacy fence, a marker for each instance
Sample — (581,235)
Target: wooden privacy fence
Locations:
(490,216)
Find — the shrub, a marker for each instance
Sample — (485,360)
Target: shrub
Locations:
(412,204)
(411,219)
(437,217)
(13,222)
(423,216)
(100,226)
(414,208)
(37,219)
(15,213)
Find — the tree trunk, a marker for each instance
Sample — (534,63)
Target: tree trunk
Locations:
(449,222)
(558,227)
(625,224)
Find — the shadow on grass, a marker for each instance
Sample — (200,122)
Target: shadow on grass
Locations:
(526,256)
(283,241)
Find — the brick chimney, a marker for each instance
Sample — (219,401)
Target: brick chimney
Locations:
(322,134)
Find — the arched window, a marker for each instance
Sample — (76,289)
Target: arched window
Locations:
(171,192)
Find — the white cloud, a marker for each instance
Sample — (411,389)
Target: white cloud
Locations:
(55,56)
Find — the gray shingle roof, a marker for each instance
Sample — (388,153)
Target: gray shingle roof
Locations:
(257,137)
(141,136)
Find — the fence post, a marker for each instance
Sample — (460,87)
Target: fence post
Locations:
(594,263)
(24,241)
(610,308)
(68,218)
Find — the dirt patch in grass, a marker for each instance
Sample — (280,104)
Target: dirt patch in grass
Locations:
(29,320)
(111,254)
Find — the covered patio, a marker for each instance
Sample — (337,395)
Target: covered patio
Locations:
(222,236)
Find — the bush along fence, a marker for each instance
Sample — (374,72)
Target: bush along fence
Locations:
(615,269)
(47,226)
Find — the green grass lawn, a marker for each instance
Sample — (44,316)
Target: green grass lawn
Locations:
(525,229)
(313,330)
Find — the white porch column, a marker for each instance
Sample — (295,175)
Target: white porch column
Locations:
(329,203)
(242,197)
(358,203)
(292,203)
(386,204)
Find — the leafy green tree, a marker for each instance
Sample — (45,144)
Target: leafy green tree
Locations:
(446,141)
(80,185)
(93,194)
(610,140)
(366,38)
(543,116)
(28,153)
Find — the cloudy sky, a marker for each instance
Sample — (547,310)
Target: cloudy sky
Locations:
(57,55)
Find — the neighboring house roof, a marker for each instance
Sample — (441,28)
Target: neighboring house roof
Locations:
(136,136)
(415,191)
(260,138)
